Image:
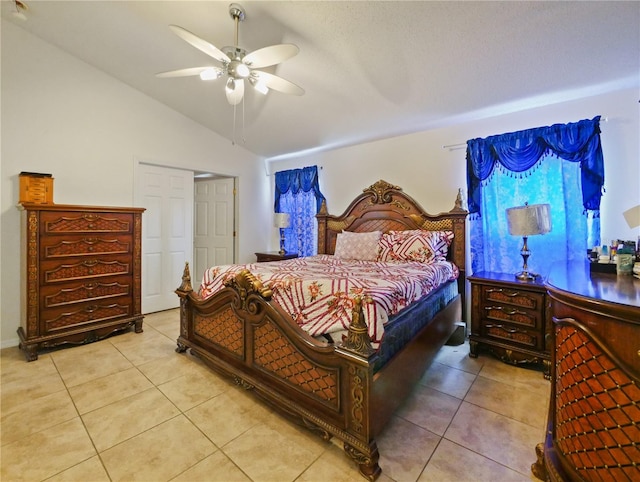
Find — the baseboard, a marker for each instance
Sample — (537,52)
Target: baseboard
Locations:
(9,343)
(459,335)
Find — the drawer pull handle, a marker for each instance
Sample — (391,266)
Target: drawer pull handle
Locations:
(508,330)
(508,312)
(510,294)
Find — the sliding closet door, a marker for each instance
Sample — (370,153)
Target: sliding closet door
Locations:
(167,232)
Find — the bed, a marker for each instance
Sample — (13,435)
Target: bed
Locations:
(347,387)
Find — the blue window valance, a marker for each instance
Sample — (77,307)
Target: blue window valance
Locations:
(520,151)
(296,180)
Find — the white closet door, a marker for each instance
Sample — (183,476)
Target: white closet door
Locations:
(167,232)
(214,225)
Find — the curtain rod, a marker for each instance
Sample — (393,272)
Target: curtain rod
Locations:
(453,147)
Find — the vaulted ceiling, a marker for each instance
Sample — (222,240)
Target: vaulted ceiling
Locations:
(369,69)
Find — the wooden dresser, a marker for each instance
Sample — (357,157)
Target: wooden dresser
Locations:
(82,278)
(509,318)
(593,431)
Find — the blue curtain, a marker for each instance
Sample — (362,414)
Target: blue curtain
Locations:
(297,192)
(561,165)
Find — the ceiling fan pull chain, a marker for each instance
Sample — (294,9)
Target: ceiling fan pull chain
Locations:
(244,141)
(233,135)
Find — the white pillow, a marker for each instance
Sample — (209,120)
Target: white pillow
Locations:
(361,246)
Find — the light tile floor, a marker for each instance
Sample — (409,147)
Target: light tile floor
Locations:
(129,408)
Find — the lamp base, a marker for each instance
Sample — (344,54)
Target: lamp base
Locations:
(526,276)
(282,251)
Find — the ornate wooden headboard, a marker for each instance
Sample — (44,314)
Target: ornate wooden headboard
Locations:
(385,207)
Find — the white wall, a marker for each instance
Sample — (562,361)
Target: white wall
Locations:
(432,175)
(64,117)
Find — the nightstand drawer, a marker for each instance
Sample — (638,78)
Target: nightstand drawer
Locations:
(513,334)
(514,297)
(512,314)
(274,256)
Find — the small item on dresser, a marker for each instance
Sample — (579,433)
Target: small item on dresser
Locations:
(35,188)
(602,267)
(624,262)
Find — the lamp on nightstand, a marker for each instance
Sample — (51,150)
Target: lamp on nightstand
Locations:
(282,221)
(525,221)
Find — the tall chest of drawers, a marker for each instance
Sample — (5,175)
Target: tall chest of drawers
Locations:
(82,274)
(509,318)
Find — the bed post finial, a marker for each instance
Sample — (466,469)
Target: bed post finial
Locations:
(358,339)
(459,205)
(186,280)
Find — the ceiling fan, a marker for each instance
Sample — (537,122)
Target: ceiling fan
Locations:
(237,64)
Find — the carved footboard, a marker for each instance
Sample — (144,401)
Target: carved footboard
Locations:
(241,333)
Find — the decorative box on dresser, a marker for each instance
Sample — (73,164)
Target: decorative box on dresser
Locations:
(509,318)
(593,426)
(82,274)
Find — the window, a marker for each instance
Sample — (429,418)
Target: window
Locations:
(560,165)
(297,193)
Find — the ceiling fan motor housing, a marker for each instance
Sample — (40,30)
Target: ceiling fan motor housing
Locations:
(234,53)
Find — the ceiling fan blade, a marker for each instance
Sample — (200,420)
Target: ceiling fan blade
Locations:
(186,72)
(200,44)
(272,55)
(235,95)
(278,83)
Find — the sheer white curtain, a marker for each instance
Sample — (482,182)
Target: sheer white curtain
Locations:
(552,181)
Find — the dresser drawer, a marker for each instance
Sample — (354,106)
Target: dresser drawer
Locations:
(59,294)
(61,222)
(65,246)
(513,306)
(60,271)
(66,317)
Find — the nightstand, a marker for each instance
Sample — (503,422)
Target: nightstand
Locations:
(274,256)
(509,318)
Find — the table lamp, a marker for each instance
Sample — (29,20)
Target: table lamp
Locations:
(525,221)
(282,221)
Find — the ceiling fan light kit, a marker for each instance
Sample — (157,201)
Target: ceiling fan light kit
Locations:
(238,64)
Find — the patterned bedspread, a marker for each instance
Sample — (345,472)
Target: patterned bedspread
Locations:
(318,291)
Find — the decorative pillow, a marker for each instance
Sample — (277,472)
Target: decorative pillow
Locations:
(363,246)
(415,245)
